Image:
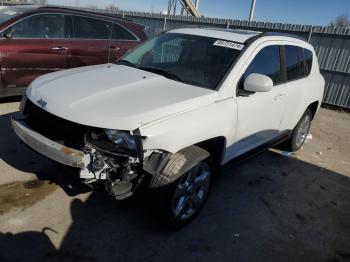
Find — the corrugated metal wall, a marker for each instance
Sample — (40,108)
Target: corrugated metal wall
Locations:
(332,44)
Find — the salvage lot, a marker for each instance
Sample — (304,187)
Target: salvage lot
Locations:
(273,207)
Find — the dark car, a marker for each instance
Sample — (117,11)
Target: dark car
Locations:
(37,40)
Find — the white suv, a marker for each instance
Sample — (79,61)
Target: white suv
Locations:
(173,109)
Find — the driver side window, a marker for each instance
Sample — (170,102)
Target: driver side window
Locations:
(266,62)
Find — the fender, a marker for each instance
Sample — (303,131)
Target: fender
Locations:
(176,133)
(176,165)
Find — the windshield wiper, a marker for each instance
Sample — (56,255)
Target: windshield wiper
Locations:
(162,72)
(125,62)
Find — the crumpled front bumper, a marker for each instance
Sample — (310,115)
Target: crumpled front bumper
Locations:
(50,149)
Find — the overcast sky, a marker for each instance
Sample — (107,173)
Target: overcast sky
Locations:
(315,12)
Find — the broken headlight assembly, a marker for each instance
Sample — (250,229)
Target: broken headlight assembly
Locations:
(114,157)
(113,141)
(121,139)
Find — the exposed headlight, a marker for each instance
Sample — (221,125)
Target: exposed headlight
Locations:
(122,139)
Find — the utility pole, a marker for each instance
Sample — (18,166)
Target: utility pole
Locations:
(252,8)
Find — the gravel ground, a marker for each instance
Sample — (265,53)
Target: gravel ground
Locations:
(273,207)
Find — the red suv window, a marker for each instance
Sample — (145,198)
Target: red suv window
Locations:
(39,26)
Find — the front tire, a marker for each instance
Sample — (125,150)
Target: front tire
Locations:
(190,194)
(182,200)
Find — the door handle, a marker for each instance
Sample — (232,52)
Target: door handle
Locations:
(279,96)
(116,48)
(59,48)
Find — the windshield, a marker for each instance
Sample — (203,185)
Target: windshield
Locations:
(195,60)
(6,13)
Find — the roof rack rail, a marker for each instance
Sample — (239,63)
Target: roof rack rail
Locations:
(273,33)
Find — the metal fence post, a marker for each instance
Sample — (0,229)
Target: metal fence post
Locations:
(228,25)
(164,26)
(310,35)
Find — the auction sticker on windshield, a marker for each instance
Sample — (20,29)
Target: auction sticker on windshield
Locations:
(228,44)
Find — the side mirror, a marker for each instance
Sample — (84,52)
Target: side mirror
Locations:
(9,35)
(258,83)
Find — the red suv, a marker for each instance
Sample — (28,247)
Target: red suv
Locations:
(38,40)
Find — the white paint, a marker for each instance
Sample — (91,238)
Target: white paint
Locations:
(258,83)
(115,96)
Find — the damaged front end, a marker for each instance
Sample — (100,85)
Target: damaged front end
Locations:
(114,158)
(111,157)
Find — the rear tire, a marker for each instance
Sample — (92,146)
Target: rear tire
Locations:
(299,133)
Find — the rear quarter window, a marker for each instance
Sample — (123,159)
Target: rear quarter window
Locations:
(308,57)
(120,33)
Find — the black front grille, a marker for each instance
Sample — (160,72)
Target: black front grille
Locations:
(55,128)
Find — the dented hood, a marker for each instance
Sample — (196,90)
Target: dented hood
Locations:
(115,96)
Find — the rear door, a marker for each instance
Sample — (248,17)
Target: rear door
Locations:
(38,46)
(122,40)
(296,83)
(89,41)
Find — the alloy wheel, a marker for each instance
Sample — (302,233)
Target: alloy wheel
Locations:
(191,192)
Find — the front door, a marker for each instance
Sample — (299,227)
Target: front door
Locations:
(260,114)
(34,46)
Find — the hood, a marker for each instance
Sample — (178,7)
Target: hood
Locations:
(115,96)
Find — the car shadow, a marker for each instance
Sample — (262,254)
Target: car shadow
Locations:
(269,208)
(10,99)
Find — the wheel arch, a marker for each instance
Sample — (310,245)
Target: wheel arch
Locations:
(313,108)
(215,147)
(167,168)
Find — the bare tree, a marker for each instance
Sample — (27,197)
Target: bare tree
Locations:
(112,9)
(341,21)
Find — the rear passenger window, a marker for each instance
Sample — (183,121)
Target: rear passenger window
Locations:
(308,60)
(90,28)
(120,33)
(294,62)
(266,62)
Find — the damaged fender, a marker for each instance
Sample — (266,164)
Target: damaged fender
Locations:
(167,168)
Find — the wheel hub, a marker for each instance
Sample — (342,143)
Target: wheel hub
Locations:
(191,191)
(303,130)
